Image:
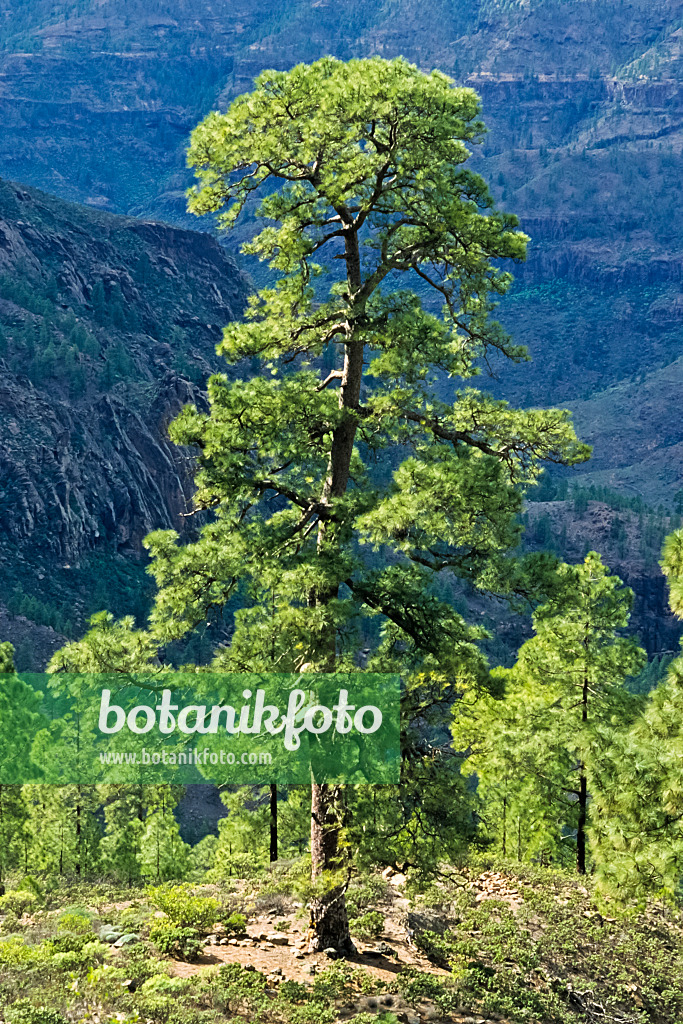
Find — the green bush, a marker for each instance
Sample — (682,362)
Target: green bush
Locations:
(366,895)
(174,940)
(436,948)
(14,952)
(18,902)
(133,919)
(70,942)
(235,924)
(183,908)
(76,923)
(368,926)
(24,1012)
(416,986)
(163,985)
(240,992)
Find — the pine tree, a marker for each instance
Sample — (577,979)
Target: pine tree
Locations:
(63,828)
(533,750)
(243,834)
(638,837)
(340,497)
(124,824)
(13,829)
(163,854)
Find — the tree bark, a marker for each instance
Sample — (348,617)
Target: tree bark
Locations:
(273,823)
(329,919)
(581,829)
(330,923)
(583,792)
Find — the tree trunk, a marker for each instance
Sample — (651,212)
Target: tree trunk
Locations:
(505,806)
(583,789)
(329,920)
(78,833)
(581,830)
(273,823)
(330,923)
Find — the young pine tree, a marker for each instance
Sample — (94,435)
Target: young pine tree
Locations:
(533,750)
(124,824)
(639,841)
(163,854)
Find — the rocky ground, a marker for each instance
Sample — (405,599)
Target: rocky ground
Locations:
(508,944)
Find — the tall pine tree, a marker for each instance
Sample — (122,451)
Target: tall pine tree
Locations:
(360,463)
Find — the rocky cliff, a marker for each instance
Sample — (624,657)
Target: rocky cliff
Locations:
(584,99)
(108,326)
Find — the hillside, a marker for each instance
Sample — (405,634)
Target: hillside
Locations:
(512,945)
(584,99)
(107,327)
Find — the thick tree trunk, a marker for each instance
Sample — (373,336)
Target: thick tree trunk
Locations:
(329,920)
(324,830)
(330,923)
(273,823)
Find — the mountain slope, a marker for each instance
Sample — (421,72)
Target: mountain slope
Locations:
(584,99)
(107,327)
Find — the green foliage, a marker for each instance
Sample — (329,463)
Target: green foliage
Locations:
(238,991)
(242,846)
(534,748)
(62,825)
(24,1012)
(41,612)
(416,986)
(18,902)
(174,940)
(183,908)
(75,923)
(163,853)
(6,658)
(367,926)
(235,924)
(365,894)
(638,800)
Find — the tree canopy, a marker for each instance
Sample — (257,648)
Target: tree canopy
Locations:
(353,476)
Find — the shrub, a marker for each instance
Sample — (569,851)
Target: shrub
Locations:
(133,919)
(436,948)
(77,923)
(70,942)
(14,952)
(239,991)
(18,902)
(24,1012)
(368,926)
(173,940)
(162,985)
(184,909)
(141,963)
(416,986)
(235,924)
(372,1018)
(366,895)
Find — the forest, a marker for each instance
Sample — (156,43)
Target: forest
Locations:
(363,503)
